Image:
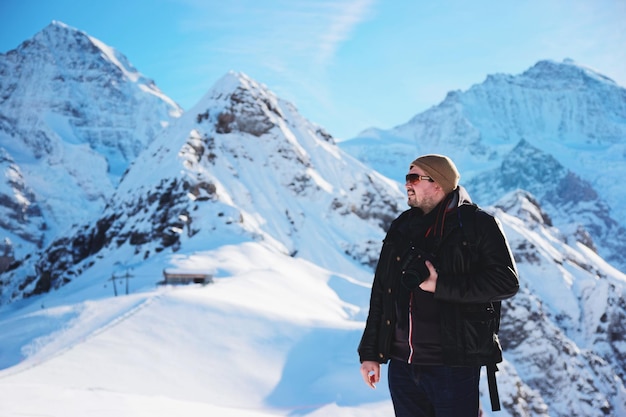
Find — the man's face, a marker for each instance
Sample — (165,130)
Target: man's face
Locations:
(421,190)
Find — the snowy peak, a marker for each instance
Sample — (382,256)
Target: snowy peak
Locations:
(58,37)
(74,114)
(566,73)
(243,105)
(554,77)
(253,151)
(561,103)
(524,206)
(529,168)
(240,103)
(576,207)
(74,84)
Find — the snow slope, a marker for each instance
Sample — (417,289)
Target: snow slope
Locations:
(270,337)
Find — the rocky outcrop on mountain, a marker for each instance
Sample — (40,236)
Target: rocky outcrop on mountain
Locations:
(571,380)
(562,332)
(74,114)
(19,208)
(579,211)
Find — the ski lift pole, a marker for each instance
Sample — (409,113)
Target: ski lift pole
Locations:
(114,286)
(127,276)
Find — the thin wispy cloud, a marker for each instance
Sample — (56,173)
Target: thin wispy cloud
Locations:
(349,15)
(277,33)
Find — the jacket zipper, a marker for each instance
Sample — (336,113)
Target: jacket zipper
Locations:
(410,360)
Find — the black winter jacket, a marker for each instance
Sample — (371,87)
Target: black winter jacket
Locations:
(476,271)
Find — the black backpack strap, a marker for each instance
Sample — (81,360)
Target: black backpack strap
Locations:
(493,387)
(467,215)
(467,221)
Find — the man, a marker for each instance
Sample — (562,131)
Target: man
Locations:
(444,267)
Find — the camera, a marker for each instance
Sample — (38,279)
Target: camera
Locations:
(414,270)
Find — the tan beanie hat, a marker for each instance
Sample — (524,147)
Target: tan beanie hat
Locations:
(441,169)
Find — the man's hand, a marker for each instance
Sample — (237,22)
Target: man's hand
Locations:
(430,284)
(370,371)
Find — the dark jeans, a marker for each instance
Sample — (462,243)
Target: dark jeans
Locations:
(433,390)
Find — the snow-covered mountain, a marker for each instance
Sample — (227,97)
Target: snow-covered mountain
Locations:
(242,164)
(290,225)
(243,173)
(73,111)
(558,130)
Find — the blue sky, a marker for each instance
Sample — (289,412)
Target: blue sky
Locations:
(346,64)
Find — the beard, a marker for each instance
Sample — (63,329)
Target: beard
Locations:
(425,203)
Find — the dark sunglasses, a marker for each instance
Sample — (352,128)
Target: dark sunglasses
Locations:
(413,178)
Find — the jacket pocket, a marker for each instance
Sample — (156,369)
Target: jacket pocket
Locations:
(479,328)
